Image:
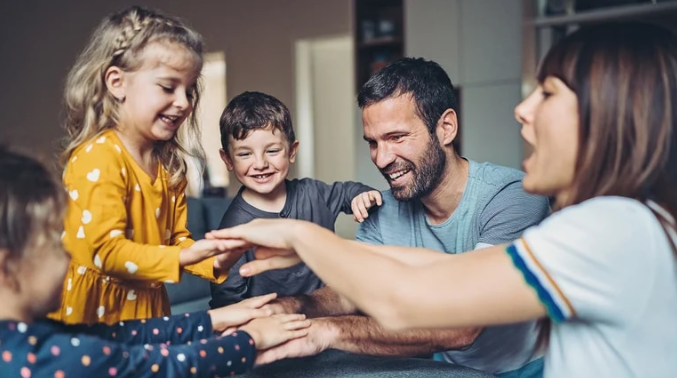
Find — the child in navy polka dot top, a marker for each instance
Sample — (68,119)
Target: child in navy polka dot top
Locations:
(32,267)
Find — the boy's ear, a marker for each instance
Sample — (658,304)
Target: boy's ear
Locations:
(226,159)
(114,79)
(293,149)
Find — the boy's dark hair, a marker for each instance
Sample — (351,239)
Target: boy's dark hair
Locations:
(424,80)
(31,202)
(251,111)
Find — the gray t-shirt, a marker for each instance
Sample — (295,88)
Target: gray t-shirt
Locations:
(307,199)
(494,209)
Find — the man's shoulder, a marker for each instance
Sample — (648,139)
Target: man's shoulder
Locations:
(390,203)
(392,210)
(501,187)
(495,175)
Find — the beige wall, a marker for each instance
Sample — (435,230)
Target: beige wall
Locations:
(39,40)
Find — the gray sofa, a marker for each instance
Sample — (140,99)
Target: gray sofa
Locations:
(192,293)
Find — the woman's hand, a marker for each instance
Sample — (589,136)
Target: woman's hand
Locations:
(273,239)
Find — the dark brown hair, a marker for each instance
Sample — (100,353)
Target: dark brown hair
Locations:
(424,80)
(625,79)
(250,111)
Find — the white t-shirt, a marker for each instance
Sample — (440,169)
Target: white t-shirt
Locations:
(607,275)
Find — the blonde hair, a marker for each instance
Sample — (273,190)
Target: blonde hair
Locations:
(119,40)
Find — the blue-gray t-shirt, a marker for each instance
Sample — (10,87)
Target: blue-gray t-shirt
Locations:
(494,209)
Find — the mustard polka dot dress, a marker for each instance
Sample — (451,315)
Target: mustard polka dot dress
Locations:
(124,233)
(177,346)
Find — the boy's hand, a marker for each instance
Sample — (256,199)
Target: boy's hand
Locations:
(362,202)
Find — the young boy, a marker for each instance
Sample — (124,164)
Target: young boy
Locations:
(259,146)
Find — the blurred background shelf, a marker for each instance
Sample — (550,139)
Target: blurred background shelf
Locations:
(379,36)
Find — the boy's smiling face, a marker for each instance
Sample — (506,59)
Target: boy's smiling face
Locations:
(261,161)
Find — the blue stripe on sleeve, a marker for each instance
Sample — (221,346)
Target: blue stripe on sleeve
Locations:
(553,310)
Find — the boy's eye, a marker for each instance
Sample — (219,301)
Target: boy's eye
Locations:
(273,151)
(167,89)
(243,154)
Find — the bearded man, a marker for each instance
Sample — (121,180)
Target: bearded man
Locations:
(437,200)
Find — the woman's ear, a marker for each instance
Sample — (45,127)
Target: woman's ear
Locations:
(226,159)
(293,149)
(115,83)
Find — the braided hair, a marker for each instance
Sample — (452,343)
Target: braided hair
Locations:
(119,40)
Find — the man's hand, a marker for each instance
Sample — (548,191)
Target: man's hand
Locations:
(363,202)
(286,305)
(316,341)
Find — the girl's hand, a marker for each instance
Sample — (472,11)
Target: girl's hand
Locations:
(226,319)
(204,249)
(363,202)
(277,329)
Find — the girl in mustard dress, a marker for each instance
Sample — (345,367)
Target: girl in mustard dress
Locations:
(127,98)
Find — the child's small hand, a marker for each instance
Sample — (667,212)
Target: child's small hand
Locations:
(362,202)
(229,251)
(226,319)
(277,329)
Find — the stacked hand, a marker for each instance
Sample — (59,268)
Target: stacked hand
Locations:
(226,319)
(227,252)
(267,330)
(273,238)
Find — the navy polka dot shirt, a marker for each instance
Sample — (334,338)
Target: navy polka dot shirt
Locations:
(175,346)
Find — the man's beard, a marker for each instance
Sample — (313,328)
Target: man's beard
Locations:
(427,173)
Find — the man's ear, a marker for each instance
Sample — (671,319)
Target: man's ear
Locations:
(115,82)
(447,127)
(226,159)
(293,149)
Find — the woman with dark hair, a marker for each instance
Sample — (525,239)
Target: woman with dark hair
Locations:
(602,269)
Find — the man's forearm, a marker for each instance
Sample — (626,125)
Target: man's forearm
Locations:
(321,302)
(363,335)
